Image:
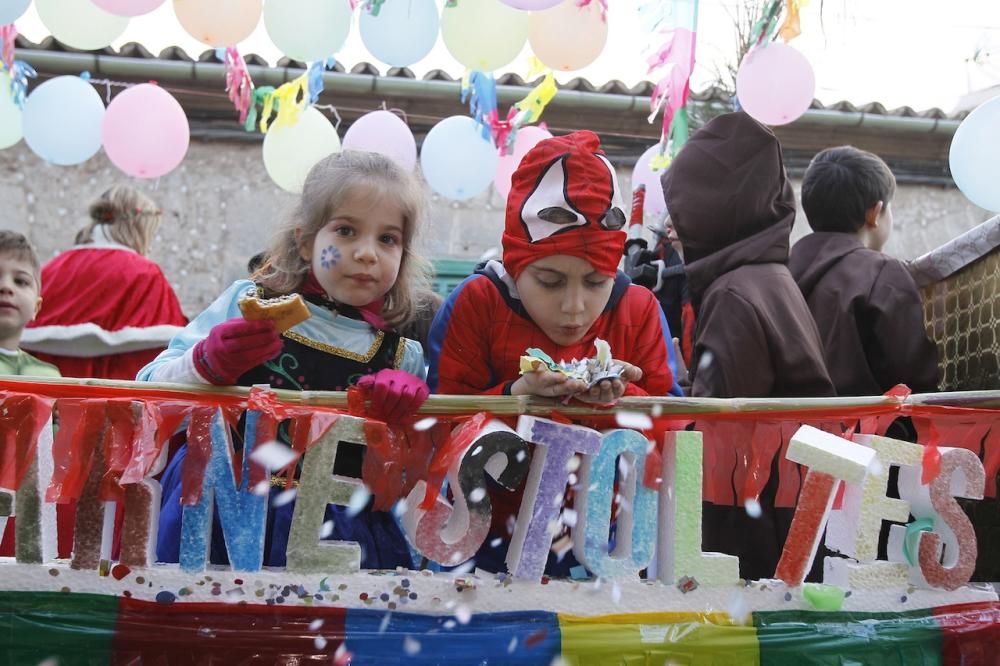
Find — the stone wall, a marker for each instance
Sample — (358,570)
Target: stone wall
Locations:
(221,208)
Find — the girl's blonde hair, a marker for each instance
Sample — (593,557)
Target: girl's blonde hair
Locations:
(126,215)
(329,183)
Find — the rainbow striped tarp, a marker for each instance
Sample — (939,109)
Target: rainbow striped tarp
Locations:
(90,629)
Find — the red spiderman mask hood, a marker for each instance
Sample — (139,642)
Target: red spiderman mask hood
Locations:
(564,199)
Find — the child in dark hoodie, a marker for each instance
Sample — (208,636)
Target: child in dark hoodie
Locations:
(865,303)
(733,208)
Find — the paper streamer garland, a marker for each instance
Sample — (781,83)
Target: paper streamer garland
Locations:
(543,491)
(637,508)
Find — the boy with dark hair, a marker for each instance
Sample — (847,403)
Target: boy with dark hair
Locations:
(865,303)
(733,208)
(20,285)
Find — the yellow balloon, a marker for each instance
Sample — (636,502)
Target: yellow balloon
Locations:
(80,23)
(10,115)
(218,23)
(484,34)
(289,152)
(567,37)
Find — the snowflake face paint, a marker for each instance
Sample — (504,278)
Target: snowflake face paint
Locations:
(329,257)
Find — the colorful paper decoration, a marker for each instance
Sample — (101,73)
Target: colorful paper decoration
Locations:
(317,488)
(678,547)
(636,531)
(544,489)
(676,23)
(451,534)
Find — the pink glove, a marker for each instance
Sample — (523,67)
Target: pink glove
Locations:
(235,346)
(396,394)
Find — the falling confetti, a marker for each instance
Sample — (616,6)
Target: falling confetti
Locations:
(738,608)
(464,568)
(315,625)
(633,420)
(262,488)
(616,593)
(705,361)
(319,642)
(359,500)
(569,517)
(512,645)
(385,623)
(425,424)
(477,495)
(656,410)
(573,464)
(496,542)
(284,497)
(399,508)
(449,624)
(753,507)
(326,530)
(273,455)
(411,646)
(624,468)
(463,614)
(342,657)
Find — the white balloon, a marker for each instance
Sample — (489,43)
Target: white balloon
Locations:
(290,152)
(403,32)
(80,23)
(456,160)
(308,30)
(11,10)
(62,120)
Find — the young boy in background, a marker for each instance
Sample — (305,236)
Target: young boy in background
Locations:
(865,303)
(20,286)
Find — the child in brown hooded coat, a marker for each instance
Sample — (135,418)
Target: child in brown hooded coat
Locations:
(733,208)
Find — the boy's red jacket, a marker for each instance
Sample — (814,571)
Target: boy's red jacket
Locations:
(482,330)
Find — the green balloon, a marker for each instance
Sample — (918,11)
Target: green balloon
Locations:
(10,115)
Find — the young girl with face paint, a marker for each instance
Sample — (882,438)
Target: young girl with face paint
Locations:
(558,289)
(347,250)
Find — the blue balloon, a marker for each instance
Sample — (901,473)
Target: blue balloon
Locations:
(975,155)
(456,160)
(403,32)
(11,10)
(62,120)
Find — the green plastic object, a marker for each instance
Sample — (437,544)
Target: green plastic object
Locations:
(823,597)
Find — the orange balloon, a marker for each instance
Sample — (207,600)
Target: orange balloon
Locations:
(218,23)
(567,37)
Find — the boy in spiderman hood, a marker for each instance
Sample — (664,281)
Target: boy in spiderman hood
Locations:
(558,289)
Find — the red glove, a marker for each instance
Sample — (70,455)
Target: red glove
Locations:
(395,394)
(235,346)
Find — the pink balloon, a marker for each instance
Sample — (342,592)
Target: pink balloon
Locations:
(383,132)
(531,5)
(145,132)
(128,7)
(525,139)
(643,174)
(775,84)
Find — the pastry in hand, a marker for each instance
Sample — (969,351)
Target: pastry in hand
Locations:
(284,311)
